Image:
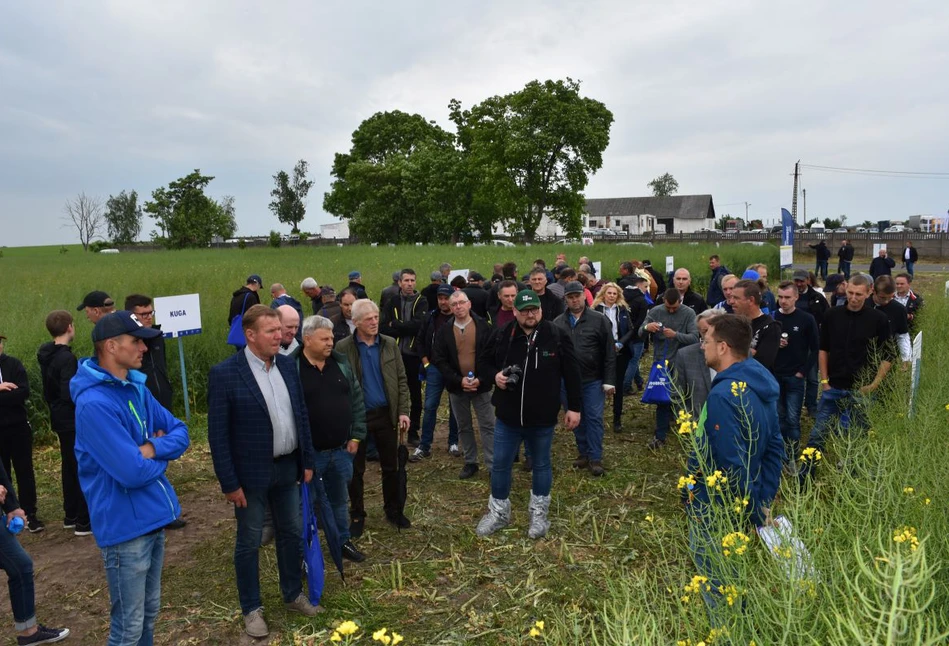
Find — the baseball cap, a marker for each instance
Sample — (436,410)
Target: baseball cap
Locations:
(799,274)
(353,275)
(444,290)
(573,287)
(474,276)
(254,278)
(646,263)
(750,274)
(833,281)
(526,298)
(95,299)
(119,323)
(328,291)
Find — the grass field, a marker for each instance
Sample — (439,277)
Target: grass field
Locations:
(615,565)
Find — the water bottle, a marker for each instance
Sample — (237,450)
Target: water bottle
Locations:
(15,526)
(470,377)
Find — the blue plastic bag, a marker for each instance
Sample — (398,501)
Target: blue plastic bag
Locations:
(657,386)
(312,552)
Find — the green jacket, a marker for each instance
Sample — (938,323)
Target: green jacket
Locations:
(393,373)
(356,402)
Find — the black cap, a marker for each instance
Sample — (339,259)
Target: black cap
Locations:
(96,299)
(799,274)
(119,323)
(833,281)
(444,290)
(254,278)
(474,276)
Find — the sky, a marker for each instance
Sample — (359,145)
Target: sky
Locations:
(104,96)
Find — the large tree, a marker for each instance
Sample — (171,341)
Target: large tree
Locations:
(186,217)
(382,184)
(289,195)
(531,153)
(124,217)
(664,186)
(84,213)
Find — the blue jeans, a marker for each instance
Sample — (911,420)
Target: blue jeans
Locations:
(632,370)
(838,410)
(909,267)
(19,568)
(810,389)
(821,269)
(283,495)
(843,267)
(133,570)
(507,439)
(589,432)
(434,387)
(335,467)
(790,403)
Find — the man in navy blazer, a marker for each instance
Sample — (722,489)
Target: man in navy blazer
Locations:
(261,448)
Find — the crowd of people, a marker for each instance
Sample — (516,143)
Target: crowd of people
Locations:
(319,394)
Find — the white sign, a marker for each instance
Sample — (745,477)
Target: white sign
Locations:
(787,256)
(178,315)
(670,264)
(586,242)
(457,272)
(876,248)
(598,269)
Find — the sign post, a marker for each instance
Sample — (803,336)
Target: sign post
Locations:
(180,316)
(915,366)
(787,240)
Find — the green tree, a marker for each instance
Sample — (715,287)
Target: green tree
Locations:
(664,186)
(186,217)
(382,184)
(831,223)
(289,195)
(123,217)
(531,153)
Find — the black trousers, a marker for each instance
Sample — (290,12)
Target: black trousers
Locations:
(74,503)
(622,362)
(16,450)
(412,365)
(379,427)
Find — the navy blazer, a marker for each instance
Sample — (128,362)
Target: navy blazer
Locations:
(239,429)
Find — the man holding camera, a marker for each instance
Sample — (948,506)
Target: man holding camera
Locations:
(534,357)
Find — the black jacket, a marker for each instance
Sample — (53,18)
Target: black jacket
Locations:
(881,266)
(845,252)
(479,300)
(13,402)
(660,281)
(445,355)
(814,303)
(393,323)
(340,330)
(913,254)
(551,305)
(547,359)
(592,338)
(638,308)
(57,366)
(155,367)
(10,503)
(426,334)
(821,250)
(357,289)
(238,304)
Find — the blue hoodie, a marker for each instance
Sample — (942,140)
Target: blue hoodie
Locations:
(128,495)
(751,458)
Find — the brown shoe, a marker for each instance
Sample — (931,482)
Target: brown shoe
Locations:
(596,468)
(582,462)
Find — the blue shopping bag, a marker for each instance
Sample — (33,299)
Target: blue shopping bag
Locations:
(657,386)
(312,552)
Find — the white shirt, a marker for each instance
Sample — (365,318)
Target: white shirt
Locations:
(279,407)
(612,313)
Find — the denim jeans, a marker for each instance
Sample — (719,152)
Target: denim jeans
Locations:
(821,269)
(838,410)
(810,389)
(589,432)
(434,387)
(19,568)
(133,570)
(790,402)
(843,267)
(709,562)
(283,495)
(632,370)
(507,438)
(909,267)
(484,411)
(335,467)
(663,420)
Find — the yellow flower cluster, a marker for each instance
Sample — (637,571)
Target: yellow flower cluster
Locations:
(906,534)
(686,423)
(345,629)
(695,586)
(716,480)
(909,491)
(650,518)
(537,629)
(686,482)
(390,640)
(735,543)
(810,454)
(740,505)
(739,388)
(783,552)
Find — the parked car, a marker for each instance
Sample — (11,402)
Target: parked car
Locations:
(860,230)
(715,232)
(604,232)
(896,228)
(502,243)
(841,230)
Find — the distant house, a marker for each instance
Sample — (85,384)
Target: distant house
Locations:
(335,230)
(638,215)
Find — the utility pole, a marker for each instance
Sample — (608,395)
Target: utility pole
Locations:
(794,197)
(804,200)
(747,204)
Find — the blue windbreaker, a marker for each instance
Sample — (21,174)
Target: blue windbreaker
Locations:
(738,434)
(128,495)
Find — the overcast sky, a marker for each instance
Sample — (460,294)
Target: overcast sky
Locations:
(725,95)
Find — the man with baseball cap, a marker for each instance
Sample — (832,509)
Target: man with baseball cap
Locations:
(96,305)
(124,441)
(245,298)
(355,284)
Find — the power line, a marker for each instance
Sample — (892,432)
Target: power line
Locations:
(878,173)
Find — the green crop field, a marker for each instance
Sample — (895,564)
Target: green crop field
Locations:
(614,568)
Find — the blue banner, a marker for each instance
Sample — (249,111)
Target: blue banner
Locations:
(787,228)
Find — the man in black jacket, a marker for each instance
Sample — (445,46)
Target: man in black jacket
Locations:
(766,339)
(462,352)
(476,294)
(550,305)
(823,255)
(813,302)
(844,258)
(592,336)
(525,409)
(245,297)
(909,299)
(683,284)
(16,435)
(910,257)
(57,366)
(402,320)
(715,294)
(635,297)
(882,265)
(797,352)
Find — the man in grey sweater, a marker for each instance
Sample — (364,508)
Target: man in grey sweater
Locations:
(671,326)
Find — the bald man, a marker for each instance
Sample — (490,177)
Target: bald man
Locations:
(290,329)
(682,281)
(281,298)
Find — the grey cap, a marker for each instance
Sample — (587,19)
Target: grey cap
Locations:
(573,287)
(799,274)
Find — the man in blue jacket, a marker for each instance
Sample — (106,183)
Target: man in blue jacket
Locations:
(737,455)
(259,434)
(124,441)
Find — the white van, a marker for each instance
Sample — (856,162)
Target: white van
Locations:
(817,227)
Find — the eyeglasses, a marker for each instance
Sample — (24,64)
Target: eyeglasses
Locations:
(145,315)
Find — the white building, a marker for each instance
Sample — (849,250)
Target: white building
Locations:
(638,215)
(335,230)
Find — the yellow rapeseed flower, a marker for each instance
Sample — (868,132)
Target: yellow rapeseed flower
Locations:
(649,518)
(740,505)
(381,636)
(539,625)
(347,628)
(909,491)
(735,543)
(686,482)
(716,480)
(739,388)
(927,501)
(907,535)
(810,454)
(336,638)
(534,632)
(396,638)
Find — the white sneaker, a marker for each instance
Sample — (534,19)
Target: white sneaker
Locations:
(454,450)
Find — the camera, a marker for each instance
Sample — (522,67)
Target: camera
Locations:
(513,374)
